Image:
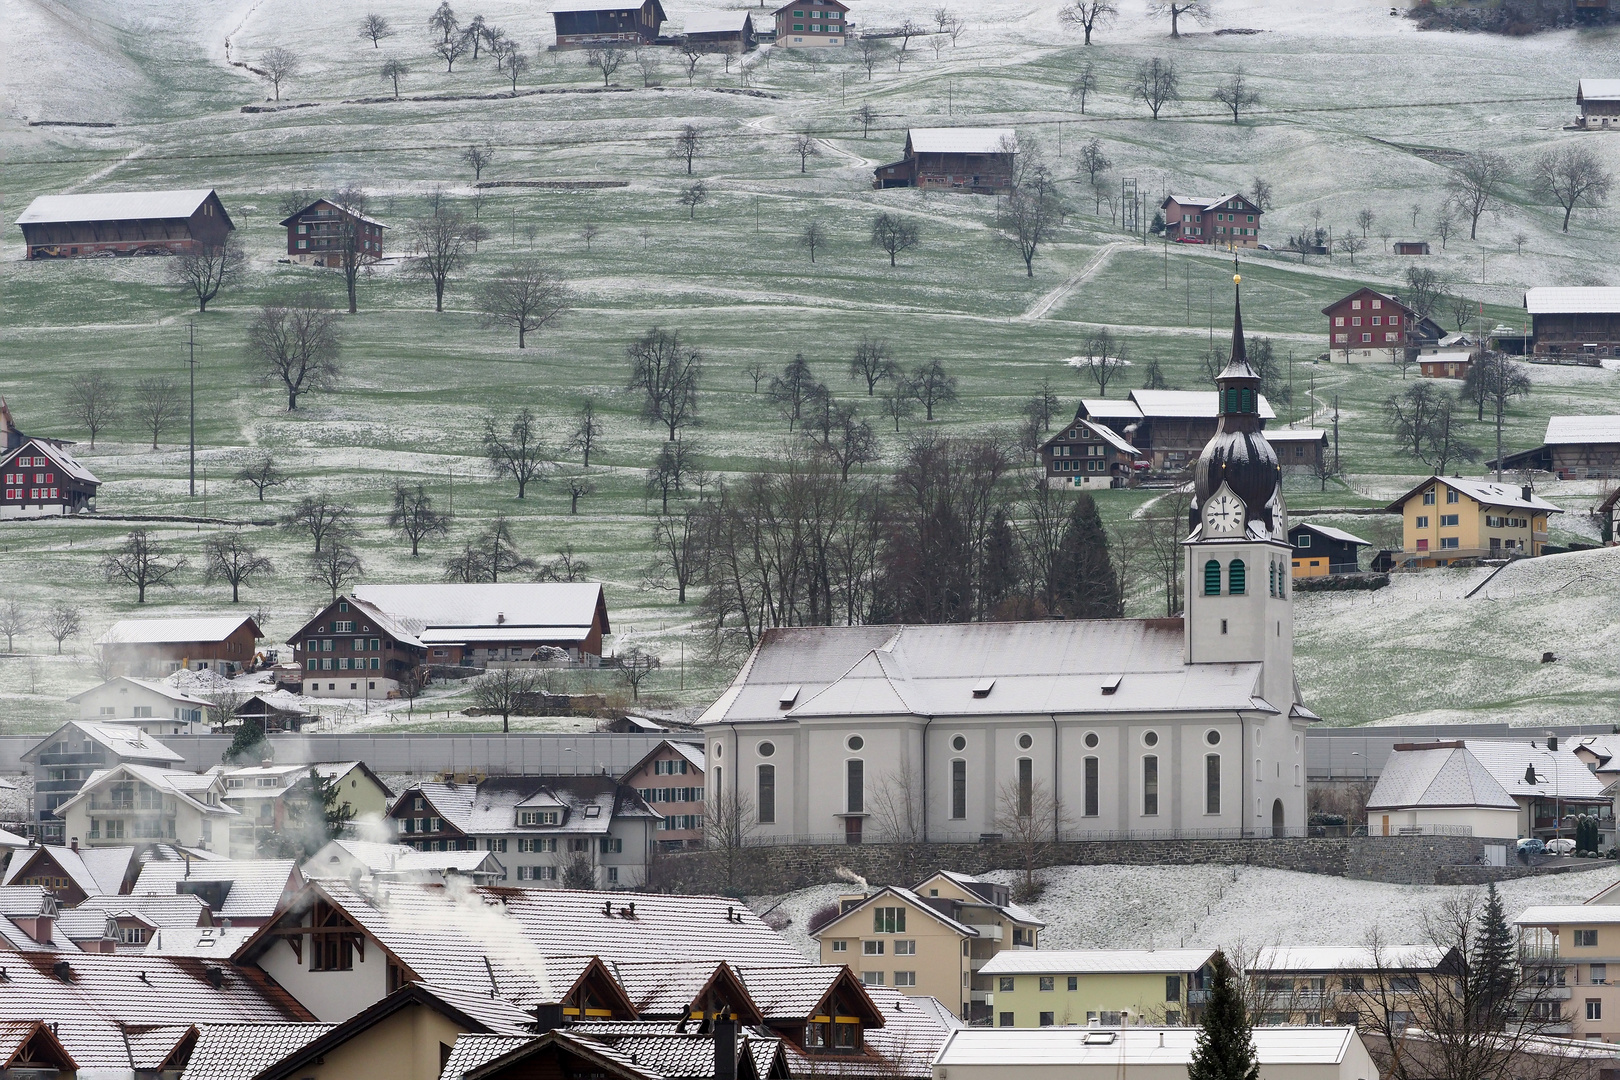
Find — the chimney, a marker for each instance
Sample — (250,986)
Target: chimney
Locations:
(548,1017)
(725,1047)
(74,843)
(1525,491)
(1552,742)
(265,763)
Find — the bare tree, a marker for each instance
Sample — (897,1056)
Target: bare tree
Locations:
(938,42)
(665,371)
(478,157)
(1445,223)
(1030,819)
(1495,379)
(756,370)
(1352,245)
(897,402)
(321,517)
(794,388)
(588,232)
(528,299)
(806,147)
(488,555)
(930,386)
(648,62)
(607,59)
(441,240)
(376,28)
(872,363)
(505,691)
(413,514)
(157,404)
(516,64)
(1156,84)
(954,28)
(444,21)
(678,547)
(1571,176)
(1260,194)
(865,116)
(473,33)
(872,52)
(587,430)
(354,232)
(337,567)
(1424,291)
(450,50)
(577,487)
(893,234)
(1520,239)
(1462,310)
(204,270)
(669,469)
(1088,15)
(692,54)
(896,807)
(689,143)
(520,453)
(393,70)
(14,620)
(93,401)
(811,237)
(692,197)
(1364,220)
(229,557)
(728,826)
(1084,85)
(1104,357)
(565,567)
(1477,185)
(1093,160)
(297,345)
(278,66)
(1236,94)
(1199,10)
(848,440)
(143,561)
(1031,213)
(62,621)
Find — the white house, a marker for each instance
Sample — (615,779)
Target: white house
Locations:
(151,705)
(353,860)
(138,802)
(1140,726)
(1147,1053)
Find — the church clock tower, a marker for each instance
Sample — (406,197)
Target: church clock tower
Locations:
(1239,606)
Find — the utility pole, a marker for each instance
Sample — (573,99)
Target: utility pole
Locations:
(1335,433)
(1313,396)
(191,362)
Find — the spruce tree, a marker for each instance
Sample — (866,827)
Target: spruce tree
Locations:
(1000,570)
(1087,587)
(1225,1049)
(1492,968)
(247,745)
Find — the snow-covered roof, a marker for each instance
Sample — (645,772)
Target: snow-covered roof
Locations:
(200,941)
(1567,300)
(175,631)
(1556,770)
(1103,432)
(96,871)
(1583,429)
(119,739)
(1201,404)
(716,22)
(896,892)
(1296,435)
(114,206)
(596,5)
(1095,961)
(1599,90)
(1510,496)
(1119,1047)
(64,460)
(1336,958)
(156,686)
(351,211)
(1330,532)
(590,803)
(338,856)
(191,788)
(1450,356)
(1564,914)
(1110,409)
(258,886)
(441,613)
(962,140)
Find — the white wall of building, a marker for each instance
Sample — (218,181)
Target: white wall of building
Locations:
(333,996)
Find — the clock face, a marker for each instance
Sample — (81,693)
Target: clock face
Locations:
(1223,514)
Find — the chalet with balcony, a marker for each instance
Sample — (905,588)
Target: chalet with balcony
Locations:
(354,650)
(1322,550)
(40,477)
(153,648)
(475,625)
(1368,322)
(1337,985)
(979,161)
(326,233)
(74,874)
(141,803)
(68,756)
(260,795)
(670,780)
(1567,951)
(1231,221)
(590,24)
(112,223)
(1447,518)
(1086,455)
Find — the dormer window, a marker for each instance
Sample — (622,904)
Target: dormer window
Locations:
(542,817)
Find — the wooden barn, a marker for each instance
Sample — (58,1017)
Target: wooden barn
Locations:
(977,160)
(821,24)
(40,477)
(113,223)
(1574,322)
(1445,365)
(154,648)
(1086,455)
(1168,427)
(321,232)
(1598,101)
(1231,220)
(1575,447)
(1320,550)
(721,30)
(587,24)
(1299,449)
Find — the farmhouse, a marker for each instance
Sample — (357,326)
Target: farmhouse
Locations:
(353,650)
(1171,427)
(1445,365)
(151,705)
(1321,550)
(1231,220)
(1447,518)
(670,780)
(157,647)
(1575,447)
(1598,101)
(720,30)
(1368,321)
(40,476)
(823,24)
(124,223)
(324,232)
(1089,455)
(1299,449)
(475,625)
(587,24)
(977,160)
(1127,726)
(1574,322)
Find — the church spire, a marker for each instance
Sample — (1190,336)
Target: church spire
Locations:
(1238,367)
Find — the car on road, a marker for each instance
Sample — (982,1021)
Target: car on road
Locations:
(1563,845)
(1532,845)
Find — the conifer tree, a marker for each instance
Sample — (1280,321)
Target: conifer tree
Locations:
(1492,968)
(1225,1048)
(1087,587)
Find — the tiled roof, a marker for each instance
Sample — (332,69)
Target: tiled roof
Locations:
(715,22)
(909,897)
(131,744)
(1484,492)
(57,453)
(1095,961)
(491,807)
(661,988)
(151,1047)
(470,612)
(1178,404)
(186,909)
(789,992)
(242,1051)
(1443,777)
(911,1033)
(83,923)
(114,206)
(1556,771)
(206,942)
(258,886)
(473,1051)
(351,211)
(499,1016)
(156,686)
(394,859)
(1318,958)
(96,871)
(190,787)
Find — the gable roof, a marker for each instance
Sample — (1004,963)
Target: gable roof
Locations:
(357,215)
(1336,958)
(399,860)
(590,803)
(96,871)
(115,206)
(258,886)
(716,22)
(156,686)
(181,910)
(1484,492)
(692,752)
(1102,431)
(659,989)
(1598,89)
(176,631)
(1588,914)
(184,786)
(206,942)
(1330,532)
(900,894)
(1188,404)
(121,740)
(961,140)
(793,993)
(1206,203)
(560,6)
(57,453)
(1365,291)
(1578,300)
(242,1051)
(1296,435)
(451,613)
(1096,961)
(1561,771)
(36,1040)
(1582,429)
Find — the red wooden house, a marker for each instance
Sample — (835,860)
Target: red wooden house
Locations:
(323,231)
(124,223)
(1366,322)
(39,476)
(1231,220)
(353,650)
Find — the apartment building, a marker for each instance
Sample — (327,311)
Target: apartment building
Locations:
(1107,987)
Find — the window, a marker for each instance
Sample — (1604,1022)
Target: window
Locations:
(905,978)
(1600,974)
(1586,939)
(331,952)
(1212,578)
(1428,497)
(1150,786)
(1172,988)
(1421,521)
(1046,1019)
(1005,985)
(1026,787)
(853,781)
(611,845)
(840,946)
(1091,787)
(1403,984)
(872,978)
(1074,982)
(959,788)
(1005,1019)
(767,794)
(1451,496)
(539,817)
(888,920)
(1449,542)
(1235,577)
(1594,1008)
(905,948)
(1448,521)
(1212,783)
(1048,983)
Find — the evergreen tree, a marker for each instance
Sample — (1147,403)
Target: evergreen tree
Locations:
(1225,1049)
(247,745)
(315,814)
(1000,573)
(1492,968)
(1086,585)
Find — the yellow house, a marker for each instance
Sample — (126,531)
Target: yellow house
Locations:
(1109,987)
(1567,951)
(1315,985)
(1448,518)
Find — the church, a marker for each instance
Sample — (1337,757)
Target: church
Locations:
(1114,728)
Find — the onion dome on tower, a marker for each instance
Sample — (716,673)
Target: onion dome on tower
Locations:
(1239,455)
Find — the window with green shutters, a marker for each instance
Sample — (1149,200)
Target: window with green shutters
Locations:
(1246,401)
(1234,578)
(1212,578)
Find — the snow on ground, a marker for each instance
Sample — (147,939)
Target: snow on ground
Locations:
(1230,907)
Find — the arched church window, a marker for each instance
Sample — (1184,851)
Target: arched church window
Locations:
(1212,578)
(1235,577)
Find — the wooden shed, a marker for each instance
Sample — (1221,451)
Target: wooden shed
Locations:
(589,24)
(721,30)
(977,160)
(113,223)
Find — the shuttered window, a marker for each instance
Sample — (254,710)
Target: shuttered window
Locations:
(1235,578)
(1212,578)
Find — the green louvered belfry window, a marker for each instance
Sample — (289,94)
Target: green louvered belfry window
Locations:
(1212,578)
(1234,577)
(1247,400)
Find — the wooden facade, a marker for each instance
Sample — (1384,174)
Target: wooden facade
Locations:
(1597,100)
(817,25)
(1445,365)
(975,160)
(1086,455)
(143,656)
(718,32)
(348,651)
(1321,551)
(133,223)
(323,233)
(1411,247)
(1564,334)
(40,478)
(588,24)
(1299,450)
(1232,220)
(1366,322)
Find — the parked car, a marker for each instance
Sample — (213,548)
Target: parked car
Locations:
(1563,845)
(1532,845)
